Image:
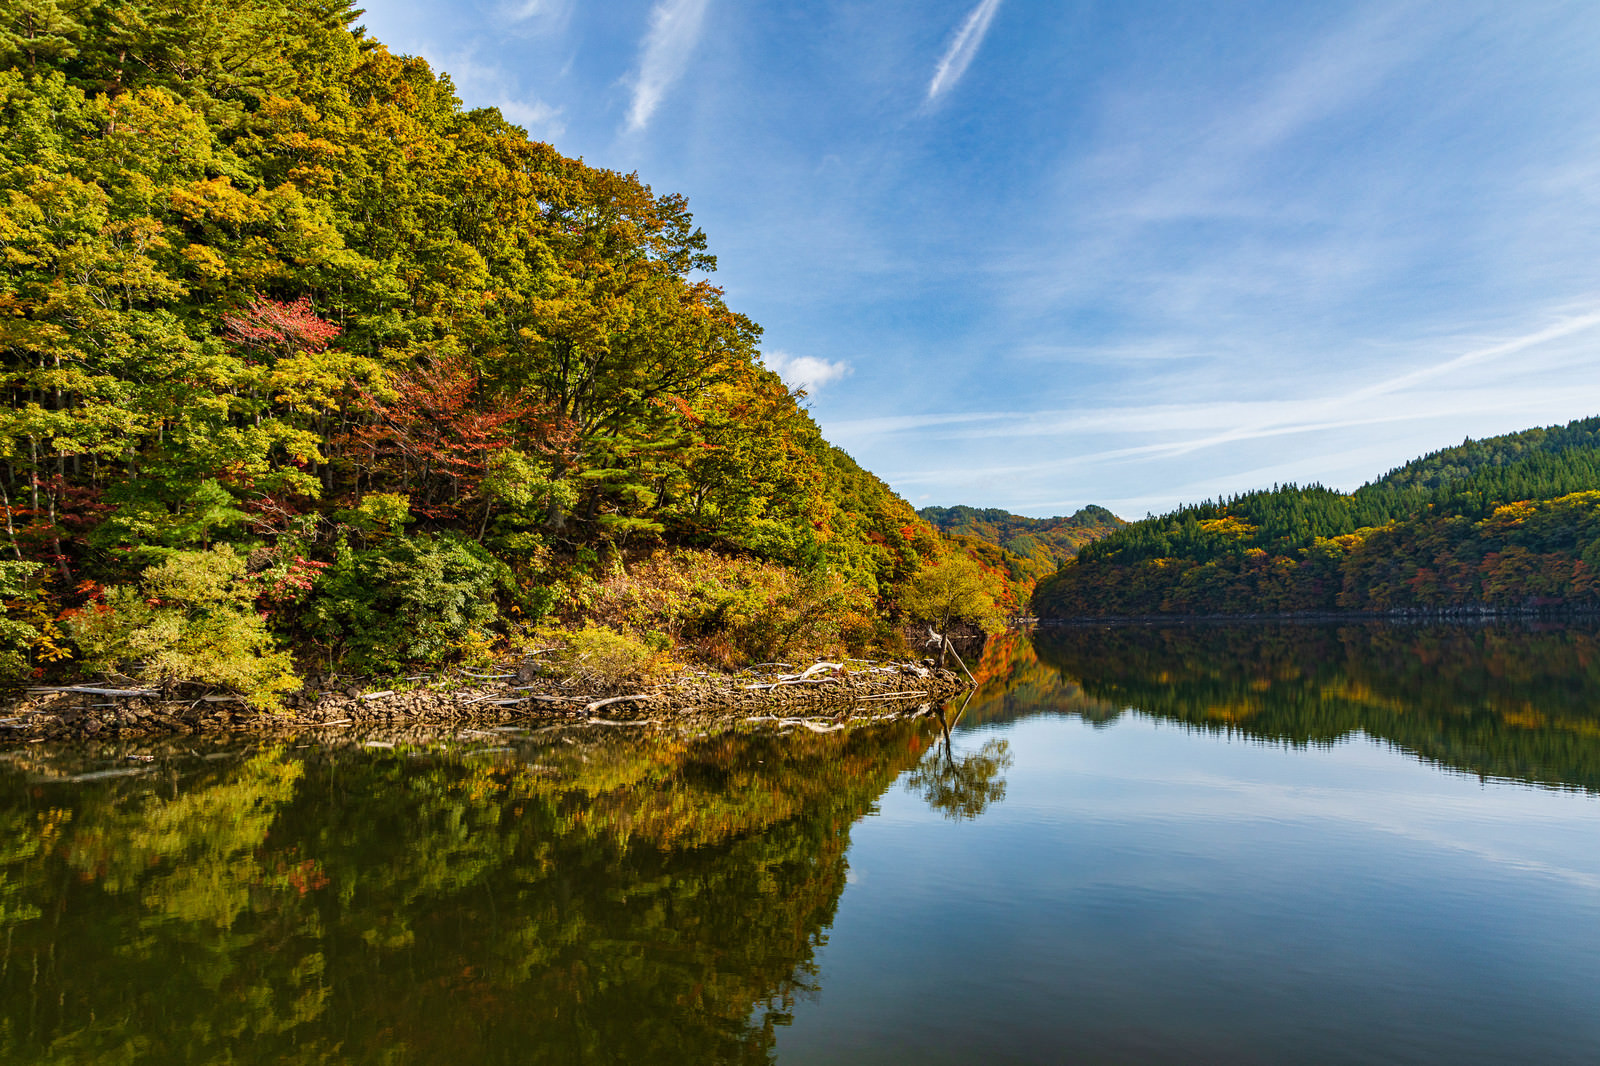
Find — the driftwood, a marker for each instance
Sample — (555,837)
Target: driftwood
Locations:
(804,677)
(793,681)
(945,645)
(805,722)
(99,775)
(597,704)
(99,691)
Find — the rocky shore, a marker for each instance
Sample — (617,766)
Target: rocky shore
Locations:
(770,692)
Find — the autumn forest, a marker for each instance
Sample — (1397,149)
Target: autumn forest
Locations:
(311,367)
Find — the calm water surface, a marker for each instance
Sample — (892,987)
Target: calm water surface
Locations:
(1188,845)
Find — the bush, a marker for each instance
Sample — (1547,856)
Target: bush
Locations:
(21,626)
(606,656)
(409,599)
(733,611)
(190,620)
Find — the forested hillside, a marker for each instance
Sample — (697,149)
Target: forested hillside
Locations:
(300,351)
(1032,548)
(1047,542)
(1505,523)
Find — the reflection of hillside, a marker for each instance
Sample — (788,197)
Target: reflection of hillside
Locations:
(1500,701)
(609,903)
(1013,683)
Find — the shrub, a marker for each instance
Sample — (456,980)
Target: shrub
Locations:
(606,656)
(21,626)
(734,611)
(190,620)
(409,599)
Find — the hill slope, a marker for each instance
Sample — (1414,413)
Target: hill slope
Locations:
(1044,542)
(1503,523)
(274,294)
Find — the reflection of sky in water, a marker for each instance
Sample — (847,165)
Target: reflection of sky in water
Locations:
(1153,893)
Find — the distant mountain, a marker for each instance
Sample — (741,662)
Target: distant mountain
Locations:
(1510,522)
(1045,543)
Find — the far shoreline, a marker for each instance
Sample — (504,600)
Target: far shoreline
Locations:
(1409,614)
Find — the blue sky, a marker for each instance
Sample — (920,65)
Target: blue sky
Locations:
(1039,255)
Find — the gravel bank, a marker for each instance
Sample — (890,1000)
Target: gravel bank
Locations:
(824,690)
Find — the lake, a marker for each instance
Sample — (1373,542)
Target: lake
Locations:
(1193,844)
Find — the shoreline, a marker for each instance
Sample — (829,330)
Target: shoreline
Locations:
(823,690)
(1400,614)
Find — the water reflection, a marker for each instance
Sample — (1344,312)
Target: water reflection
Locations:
(612,898)
(1505,701)
(613,901)
(961,788)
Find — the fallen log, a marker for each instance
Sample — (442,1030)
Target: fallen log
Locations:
(597,704)
(99,691)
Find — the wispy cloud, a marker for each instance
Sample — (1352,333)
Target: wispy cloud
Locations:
(1413,395)
(963,46)
(1048,459)
(537,16)
(806,371)
(664,54)
(538,118)
(483,84)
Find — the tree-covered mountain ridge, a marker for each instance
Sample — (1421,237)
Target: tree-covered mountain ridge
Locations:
(1503,523)
(1033,547)
(302,354)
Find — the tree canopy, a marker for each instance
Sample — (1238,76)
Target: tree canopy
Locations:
(260,274)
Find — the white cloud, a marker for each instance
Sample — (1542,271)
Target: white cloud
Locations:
(539,17)
(1346,432)
(664,54)
(538,118)
(963,47)
(806,371)
(481,84)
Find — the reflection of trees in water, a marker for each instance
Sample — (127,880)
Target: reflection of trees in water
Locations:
(961,787)
(621,901)
(1013,684)
(1506,701)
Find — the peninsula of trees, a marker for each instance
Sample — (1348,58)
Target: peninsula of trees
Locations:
(1503,524)
(303,356)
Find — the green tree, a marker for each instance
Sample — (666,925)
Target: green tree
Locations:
(191,620)
(954,588)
